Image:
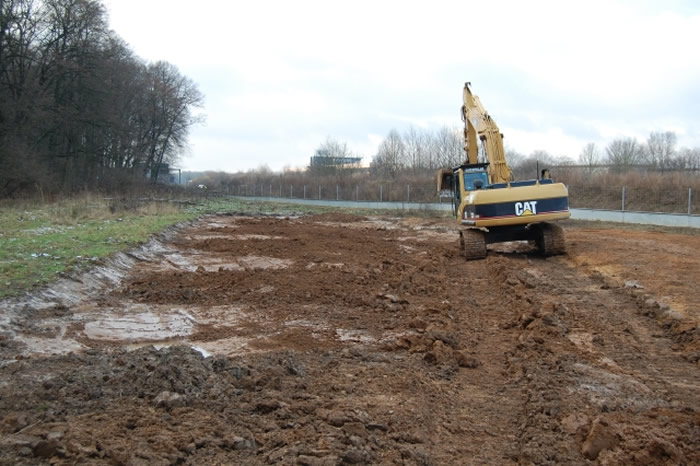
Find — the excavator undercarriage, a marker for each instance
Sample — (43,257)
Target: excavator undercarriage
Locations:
(548,237)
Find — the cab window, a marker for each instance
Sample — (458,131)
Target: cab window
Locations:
(474,181)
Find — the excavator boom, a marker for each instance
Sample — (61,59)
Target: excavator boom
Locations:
(478,123)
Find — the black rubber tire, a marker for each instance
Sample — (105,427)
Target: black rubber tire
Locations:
(551,240)
(473,244)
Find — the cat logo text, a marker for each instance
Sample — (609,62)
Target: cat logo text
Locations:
(525,208)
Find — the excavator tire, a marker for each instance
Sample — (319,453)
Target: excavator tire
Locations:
(550,240)
(473,244)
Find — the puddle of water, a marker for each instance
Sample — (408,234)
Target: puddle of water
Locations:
(217,267)
(327,265)
(251,236)
(233,346)
(214,264)
(260,262)
(354,335)
(241,263)
(205,236)
(219,225)
(38,345)
(317,326)
(144,325)
(178,260)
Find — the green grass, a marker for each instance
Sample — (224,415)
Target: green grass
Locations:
(225,205)
(40,241)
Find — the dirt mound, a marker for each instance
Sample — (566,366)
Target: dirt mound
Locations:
(173,405)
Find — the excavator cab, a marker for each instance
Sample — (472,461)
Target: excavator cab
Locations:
(475,177)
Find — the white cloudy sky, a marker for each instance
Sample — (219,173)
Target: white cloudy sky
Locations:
(281,76)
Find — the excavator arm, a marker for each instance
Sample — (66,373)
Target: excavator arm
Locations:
(478,124)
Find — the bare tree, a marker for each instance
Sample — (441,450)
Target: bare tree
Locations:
(623,152)
(416,149)
(589,156)
(390,155)
(528,167)
(687,159)
(513,156)
(661,149)
(448,145)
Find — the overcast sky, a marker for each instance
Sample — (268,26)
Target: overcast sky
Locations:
(279,77)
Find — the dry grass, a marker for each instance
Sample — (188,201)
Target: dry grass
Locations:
(602,189)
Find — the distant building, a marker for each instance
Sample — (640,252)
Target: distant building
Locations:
(338,162)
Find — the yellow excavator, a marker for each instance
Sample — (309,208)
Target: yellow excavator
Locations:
(489,205)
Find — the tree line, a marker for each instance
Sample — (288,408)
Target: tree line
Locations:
(78,109)
(421,151)
(412,157)
(417,150)
(659,152)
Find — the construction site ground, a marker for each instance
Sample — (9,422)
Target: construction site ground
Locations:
(337,339)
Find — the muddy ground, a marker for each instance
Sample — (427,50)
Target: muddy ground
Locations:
(335,339)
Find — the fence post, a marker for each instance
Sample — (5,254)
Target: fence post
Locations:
(357,192)
(623,198)
(270,190)
(319,192)
(304,191)
(280,190)
(408,193)
(291,191)
(381,193)
(690,201)
(337,193)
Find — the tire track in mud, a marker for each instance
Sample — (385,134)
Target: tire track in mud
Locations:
(600,380)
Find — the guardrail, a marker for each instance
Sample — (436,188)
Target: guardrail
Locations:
(643,218)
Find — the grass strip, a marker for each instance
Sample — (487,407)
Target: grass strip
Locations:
(40,241)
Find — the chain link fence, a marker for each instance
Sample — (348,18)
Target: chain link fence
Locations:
(670,200)
(638,199)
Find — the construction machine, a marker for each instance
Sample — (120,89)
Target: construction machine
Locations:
(489,205)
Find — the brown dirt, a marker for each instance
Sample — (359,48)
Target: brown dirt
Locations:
(343,340)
